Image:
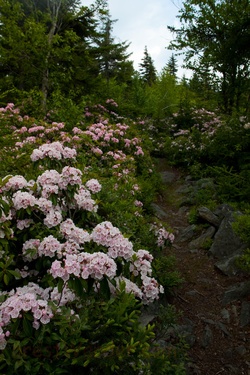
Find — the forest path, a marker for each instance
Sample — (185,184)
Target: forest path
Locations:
(217,333)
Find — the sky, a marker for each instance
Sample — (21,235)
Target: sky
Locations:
(144,23)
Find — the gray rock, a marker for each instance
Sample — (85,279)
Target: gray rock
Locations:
(192,293)
(207,338)
(241,350)
(186,234)
(201,240)
(167,177)
(209,321)
(228,265)
(236,292)
(146,319)
(159,212)
(187,201)
(207,215)
(184,189)
(183,211)
(245,314)
(222,210)
(226,242)
(218,325)
(235,314)
(189,178)
(223,328)
(225,315)
(187,332)
(205,183)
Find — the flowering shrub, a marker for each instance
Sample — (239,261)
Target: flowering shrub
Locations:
(51,266)
(163,236)
(20,135)
(189,143)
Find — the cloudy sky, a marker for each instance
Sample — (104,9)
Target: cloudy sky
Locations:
(144,23)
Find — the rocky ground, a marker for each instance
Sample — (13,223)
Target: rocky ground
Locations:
(215,308)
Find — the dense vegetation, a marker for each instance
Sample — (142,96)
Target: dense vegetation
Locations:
(81,253)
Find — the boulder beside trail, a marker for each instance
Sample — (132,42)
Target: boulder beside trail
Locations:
(226,242)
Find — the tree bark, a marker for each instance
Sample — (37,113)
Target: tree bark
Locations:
(54,8)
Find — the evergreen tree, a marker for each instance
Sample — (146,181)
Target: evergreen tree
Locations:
(172,67)
(112,57)
(46,46)
(147,69)
(204,84)
(216,34)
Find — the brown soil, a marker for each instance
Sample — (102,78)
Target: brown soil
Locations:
(226,349)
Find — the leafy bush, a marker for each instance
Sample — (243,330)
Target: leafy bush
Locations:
(70,280)
(105,337)
(241,226)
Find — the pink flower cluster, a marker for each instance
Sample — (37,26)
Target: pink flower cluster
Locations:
(14,183)
(23,199)
(150,289)
(53,217)
(35,129)
(52,181)
(138,203)
(83,200)
(3,335)
(163,236)
(76,130)
(48,182)
(108,135)
(30,249)
(117,155)
(130,287)
(84,265)
(21,224)
(93,185)
(181,132)
(62,298)
(10,108)
(53,150)
(106,234)
(70,176)
(27,298)
(35,196)
(49,246)
(73,233)
(141,263)
(6,216)
(96,151)
(112,102)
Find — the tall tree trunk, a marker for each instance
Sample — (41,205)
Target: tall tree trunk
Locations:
(54,8)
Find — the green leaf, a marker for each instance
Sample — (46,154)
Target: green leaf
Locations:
(9,261)
(76,285)
(60,285)
(18,364)
(28,210)
(6,279)
(55,336)
(25,341)
(27,327)
(16,345)
(15,274)
(104,288)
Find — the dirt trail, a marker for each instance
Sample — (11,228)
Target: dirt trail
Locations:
(218,339)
